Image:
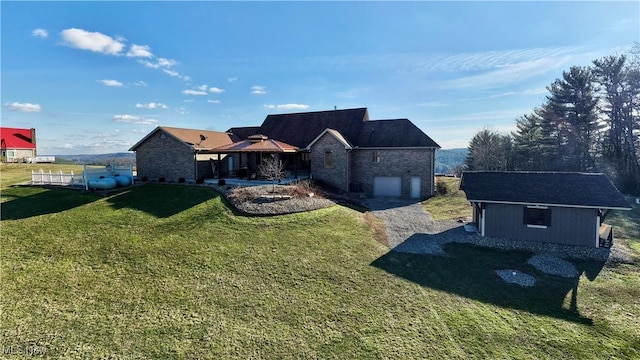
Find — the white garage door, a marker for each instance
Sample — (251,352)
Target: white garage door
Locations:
(387,186)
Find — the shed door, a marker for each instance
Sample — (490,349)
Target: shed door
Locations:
(387,186)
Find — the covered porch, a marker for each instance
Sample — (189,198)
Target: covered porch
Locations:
(242,161)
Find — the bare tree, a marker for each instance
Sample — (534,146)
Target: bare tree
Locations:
(271,169)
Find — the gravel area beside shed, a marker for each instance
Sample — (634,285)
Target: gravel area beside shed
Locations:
(411,229)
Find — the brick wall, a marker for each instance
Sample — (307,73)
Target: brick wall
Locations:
(168,158)
(335,175)
(406,163)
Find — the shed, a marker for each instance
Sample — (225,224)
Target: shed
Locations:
(557,207)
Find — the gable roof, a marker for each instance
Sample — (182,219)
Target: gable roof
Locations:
(353,125)
(191,137)
(300,129)
(15,138)
(543,188)
(333,133)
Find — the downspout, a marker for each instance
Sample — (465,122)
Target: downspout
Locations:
(348,168)
(195,163)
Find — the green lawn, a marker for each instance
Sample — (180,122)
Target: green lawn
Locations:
(169,271)
(452,205)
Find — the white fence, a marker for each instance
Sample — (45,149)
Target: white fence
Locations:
(82,179)
(56,178)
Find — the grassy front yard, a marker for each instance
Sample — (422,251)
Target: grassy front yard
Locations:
(169,271)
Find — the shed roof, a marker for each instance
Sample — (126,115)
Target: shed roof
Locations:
(543,188)
(191,137)
(16,138)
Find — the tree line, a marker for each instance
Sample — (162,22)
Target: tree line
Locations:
(589,122)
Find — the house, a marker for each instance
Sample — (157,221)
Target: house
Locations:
(556,207)
(17,145)
(345,149)
(342,148)
(175,153)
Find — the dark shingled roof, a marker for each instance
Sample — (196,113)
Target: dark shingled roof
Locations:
(242,133)
(550,188)
(392,133)
(300,129)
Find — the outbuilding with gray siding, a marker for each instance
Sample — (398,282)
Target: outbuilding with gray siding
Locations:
(556,207)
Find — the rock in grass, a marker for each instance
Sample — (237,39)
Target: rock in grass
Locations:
(553,265)
(516,277)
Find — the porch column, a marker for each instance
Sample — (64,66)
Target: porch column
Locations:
(219,167)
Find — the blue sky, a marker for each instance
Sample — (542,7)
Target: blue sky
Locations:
(96,77)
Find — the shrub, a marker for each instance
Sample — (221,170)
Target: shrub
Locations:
(441,188)
(162,179)
(200,180)
(182,180)
(221,182)
(144,179)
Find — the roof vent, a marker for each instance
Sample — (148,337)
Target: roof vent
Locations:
(257,138)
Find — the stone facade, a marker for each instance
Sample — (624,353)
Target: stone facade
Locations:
(405,163)
(337,174)
(162,155)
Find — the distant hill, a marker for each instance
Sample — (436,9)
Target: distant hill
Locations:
(448,159)
(99,159)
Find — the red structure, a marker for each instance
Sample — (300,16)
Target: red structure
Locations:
(17,145)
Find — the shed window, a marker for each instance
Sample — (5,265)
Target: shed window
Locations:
(537,216)
(376,157)
(328,159)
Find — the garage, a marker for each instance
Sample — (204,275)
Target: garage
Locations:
(387,186)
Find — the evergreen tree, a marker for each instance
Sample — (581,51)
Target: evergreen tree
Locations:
(489,150)
(571,111)
(527,144)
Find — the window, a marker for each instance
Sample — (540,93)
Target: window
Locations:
(537,216)
(328,159)
(376,157)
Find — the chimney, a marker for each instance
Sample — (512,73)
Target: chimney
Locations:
(33,136)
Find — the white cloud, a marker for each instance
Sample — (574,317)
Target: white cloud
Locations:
(507,74)
(140,83)
(171,73)
(216,90)
(258,90)
(287,107)
(92,41)
(134,119)
(140,51)
(188,100)
(151,105)
(213,101)
(40,33)
(160,63)
(194,92)
(23,107)
(203,87)
(232,79)
(110,83)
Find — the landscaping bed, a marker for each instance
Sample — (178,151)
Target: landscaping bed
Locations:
(275,200)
